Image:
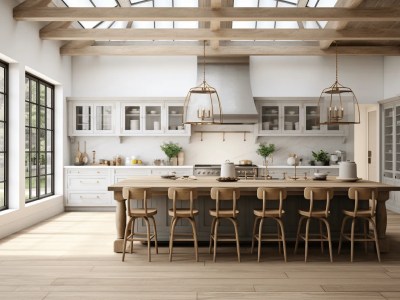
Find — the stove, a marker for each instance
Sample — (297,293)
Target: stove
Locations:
(215,170)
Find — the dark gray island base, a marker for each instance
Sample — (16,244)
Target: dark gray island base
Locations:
(247,203)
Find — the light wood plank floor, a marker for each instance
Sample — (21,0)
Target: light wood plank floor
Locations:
(70,257)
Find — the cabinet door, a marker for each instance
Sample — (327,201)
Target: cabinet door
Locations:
(388,142)
(174,118)
(131,121)
(82,118)
(153,120)
(270,115)
(104,118)
(312,119)
(291,118)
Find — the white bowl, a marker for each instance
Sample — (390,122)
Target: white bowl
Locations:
(173,112)
(291,112)
(153,112)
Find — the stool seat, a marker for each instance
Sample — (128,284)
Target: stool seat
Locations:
(182,212)
(269,213)
(222,213)
(359,213)
(313,214)
(140,212)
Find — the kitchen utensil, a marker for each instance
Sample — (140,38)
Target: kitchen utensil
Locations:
(347,170)
(153,112)
(333,159)
(320,176)
(78,156)
(134,124)
(245,162)
(228,169)
(85,156)
(156,125)
(227,179)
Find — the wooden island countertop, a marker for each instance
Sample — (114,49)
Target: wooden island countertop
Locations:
(249,187)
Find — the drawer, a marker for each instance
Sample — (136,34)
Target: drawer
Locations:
(85,183)
(179,172)
(90,199)
(91,172)
(132,172)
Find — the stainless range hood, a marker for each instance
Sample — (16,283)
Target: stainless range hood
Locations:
(232,82)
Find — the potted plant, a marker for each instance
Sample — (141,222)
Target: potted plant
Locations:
(321,158)
(265,151)
(171,150)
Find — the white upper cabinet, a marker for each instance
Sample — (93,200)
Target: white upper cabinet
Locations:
(126,118)
(292,118)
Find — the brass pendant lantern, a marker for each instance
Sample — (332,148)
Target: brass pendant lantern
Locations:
(339,102)
(202,104)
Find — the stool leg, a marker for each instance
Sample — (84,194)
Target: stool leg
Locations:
(215,238)
(193,222)
(125,238)
(259,239)
(342,233)
(254,234)
(306,239)
(378,252)
(282,237)
(298,234)
(132,232)
(365,236)
(148,238)
(279,237)
(171,238)
(353,223)
(237,238)
(155,234)
(328,230)
(321,236)
(211,234)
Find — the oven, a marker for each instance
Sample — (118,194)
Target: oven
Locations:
(242,171)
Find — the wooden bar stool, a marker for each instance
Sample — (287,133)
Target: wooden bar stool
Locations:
(182,194)
(315,194)
(367,215)
(269,194)
(145,213)
(224,194)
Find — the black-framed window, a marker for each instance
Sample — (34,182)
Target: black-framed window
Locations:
(3,135)
(39,138)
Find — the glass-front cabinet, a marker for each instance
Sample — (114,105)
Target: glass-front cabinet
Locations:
(270,118)
(291,118)
(388,137)
(97,118)
(131,120)
(174,118)
(312,119)
(153,118)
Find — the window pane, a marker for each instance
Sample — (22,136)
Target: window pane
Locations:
(48,116)
(33,115)
(2,112)
(27,110)
(27,188)
(2,82)
(26,165)
(49,145)
(27,141)
(33,95)
(49,96)
(42,95)
(49,164)
(42,140)
(2,167)
(42,117)
(49,184)
(33,187)
(27,81)
(2,195)
(32,164)
(42,185)
(2,137)
(42,163)
(33,139)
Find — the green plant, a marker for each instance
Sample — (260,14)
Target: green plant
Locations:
(171,149)
(321,156)
(265,150)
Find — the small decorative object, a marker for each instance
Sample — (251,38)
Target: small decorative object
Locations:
(78,157)
(94,157)
(171,150)
(293,160)
(321,158)
(181,158)
(119,160)
(265,151)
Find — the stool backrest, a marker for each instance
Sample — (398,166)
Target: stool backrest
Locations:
(319,194)
(182,194)
(225,194)
(272,194)
(363,194)
(136,194)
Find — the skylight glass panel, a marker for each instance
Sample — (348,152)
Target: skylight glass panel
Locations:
(326,3)
(142,4)
(310,25)
(78,3)
(286,4)
(164,24)
(265,24)
(89,24)
(267,3)
(244,24)
(119,24)
(245,3)
(287,25)
(105,25)
(186,24)
(186,3)
(143,24)
(105,3)
(163,3)
(322,23)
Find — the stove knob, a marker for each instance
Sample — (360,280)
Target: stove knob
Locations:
(204,173)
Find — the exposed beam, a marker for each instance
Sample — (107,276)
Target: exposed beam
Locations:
(223,34)
(226,50)
(55,25)
(216,4)
(339,25)
(206,14)
(32,3)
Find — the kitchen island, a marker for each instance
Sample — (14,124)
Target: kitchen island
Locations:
(247,203)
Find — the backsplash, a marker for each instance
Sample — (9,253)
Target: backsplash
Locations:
(213,149)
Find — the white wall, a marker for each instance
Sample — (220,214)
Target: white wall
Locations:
(293,76)
(21,47)
(133,76)
(391,77)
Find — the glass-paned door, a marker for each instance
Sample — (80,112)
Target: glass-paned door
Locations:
(312,119)
(131,118)
(83,115)
(388,142)
(104,118)
(397,138)
(291,118)
(270,118)
(152,118)
(174,119)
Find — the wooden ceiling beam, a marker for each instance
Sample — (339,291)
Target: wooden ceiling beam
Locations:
(206,14)
(226,51)
(33,3)
(222,34)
